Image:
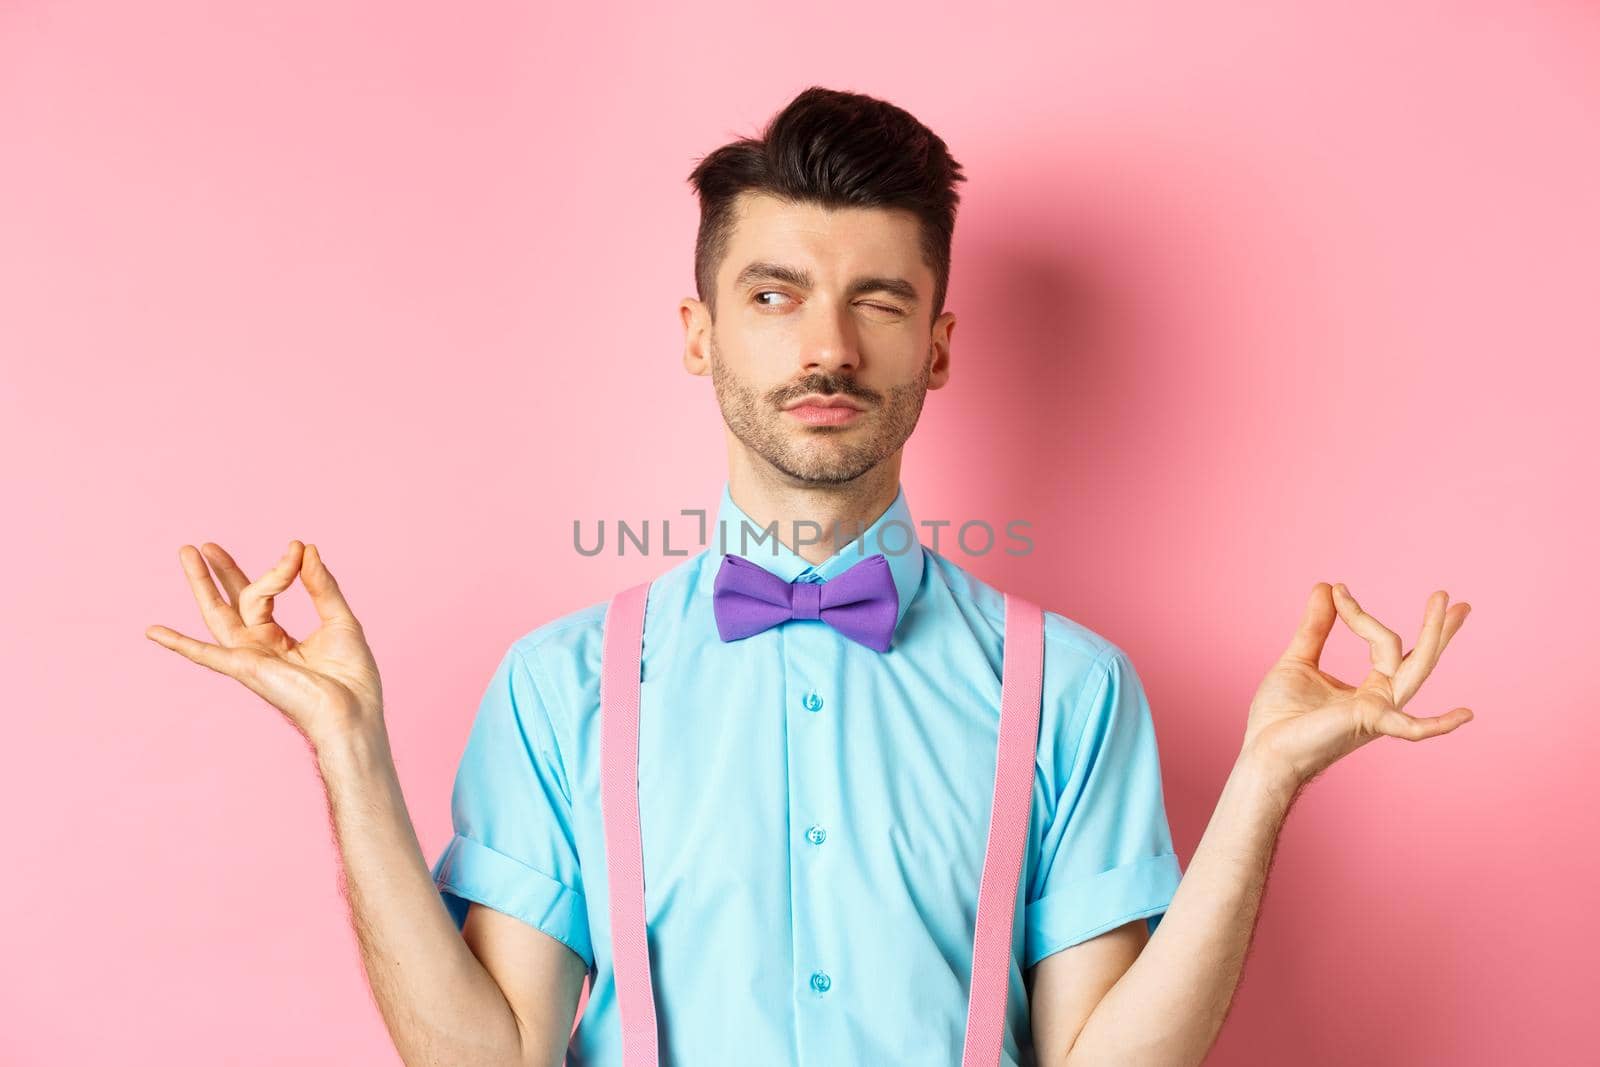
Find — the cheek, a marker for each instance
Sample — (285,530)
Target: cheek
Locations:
(744,374)
(760,363)
(899,362)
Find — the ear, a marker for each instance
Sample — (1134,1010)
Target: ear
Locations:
(939,341)
(696,336)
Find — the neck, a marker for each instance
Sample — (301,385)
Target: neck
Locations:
(840,511)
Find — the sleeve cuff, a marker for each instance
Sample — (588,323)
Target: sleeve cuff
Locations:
(469,870)
(1090,906)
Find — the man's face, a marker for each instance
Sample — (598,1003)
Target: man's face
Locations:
(827,305)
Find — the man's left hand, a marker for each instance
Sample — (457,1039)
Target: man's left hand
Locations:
(1303,720)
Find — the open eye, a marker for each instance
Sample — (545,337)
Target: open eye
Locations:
(888,308)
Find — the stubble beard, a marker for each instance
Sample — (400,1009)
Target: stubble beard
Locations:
(819,455)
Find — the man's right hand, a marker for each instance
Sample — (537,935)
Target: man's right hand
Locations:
(497,990)
(326,685)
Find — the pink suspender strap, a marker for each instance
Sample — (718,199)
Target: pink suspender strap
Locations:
(1022,676)
(1021,688)
(620,650)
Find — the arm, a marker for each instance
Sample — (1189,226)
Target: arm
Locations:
(1170,1004)
(1106,872)
(497,992)
(1064,987)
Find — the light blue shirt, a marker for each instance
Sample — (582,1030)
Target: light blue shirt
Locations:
(813,813)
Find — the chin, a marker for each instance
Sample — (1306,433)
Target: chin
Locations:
(832,469)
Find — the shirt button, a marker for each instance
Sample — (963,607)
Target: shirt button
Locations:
(816,835)
(820,981)
(811,701)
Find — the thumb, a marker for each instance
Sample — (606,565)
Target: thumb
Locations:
(324,590)
(1315,626)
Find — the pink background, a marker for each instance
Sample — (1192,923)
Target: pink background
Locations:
(1248,299)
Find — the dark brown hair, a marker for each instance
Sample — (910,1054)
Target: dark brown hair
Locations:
(836,149)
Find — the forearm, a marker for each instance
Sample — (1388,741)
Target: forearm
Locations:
(1168,1008)
(441,1006)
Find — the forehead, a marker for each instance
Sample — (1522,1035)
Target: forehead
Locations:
(835,243)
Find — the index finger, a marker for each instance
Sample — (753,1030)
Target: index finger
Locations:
(1385,642)
(255,599)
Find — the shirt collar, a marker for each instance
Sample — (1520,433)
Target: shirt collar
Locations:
(892,533)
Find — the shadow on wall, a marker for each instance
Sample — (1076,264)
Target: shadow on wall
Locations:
(1082,364)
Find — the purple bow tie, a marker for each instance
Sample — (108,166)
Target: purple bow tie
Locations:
(862,602)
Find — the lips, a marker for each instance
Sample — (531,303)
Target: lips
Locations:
(822,413)
(816,400)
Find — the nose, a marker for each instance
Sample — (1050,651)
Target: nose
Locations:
(829,344)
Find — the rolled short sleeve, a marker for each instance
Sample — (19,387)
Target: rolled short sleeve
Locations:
(1106,855)
(513,847)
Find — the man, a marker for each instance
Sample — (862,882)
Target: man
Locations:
(813,802)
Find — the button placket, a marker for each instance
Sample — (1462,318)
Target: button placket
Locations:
(811,661)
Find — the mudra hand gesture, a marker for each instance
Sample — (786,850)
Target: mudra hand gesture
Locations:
(1302,719)
(326,684)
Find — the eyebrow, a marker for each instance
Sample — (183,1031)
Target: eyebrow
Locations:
(780,272)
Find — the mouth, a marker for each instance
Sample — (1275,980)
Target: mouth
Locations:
(818,410)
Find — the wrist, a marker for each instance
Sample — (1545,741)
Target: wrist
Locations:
(1268,775)
(354,746)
